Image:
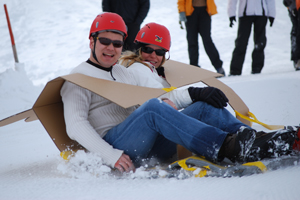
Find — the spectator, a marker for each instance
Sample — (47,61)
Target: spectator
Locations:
(294,13)
(133,13)
(197,17)
(254,12)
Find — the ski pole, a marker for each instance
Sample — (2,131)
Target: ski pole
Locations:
(11,35)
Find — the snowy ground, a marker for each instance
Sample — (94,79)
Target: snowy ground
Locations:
(52,37)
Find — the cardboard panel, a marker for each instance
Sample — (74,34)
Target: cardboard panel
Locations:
(50,93)
(234,100)
(52,118)
(179,74)
(28,115)
(124,95)
(49,107)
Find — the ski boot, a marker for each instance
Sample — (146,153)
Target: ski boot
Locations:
(236,147)
(273,144)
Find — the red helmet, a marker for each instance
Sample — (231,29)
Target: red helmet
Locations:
(155,34)
(109,22)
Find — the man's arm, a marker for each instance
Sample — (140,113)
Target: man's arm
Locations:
(76,102)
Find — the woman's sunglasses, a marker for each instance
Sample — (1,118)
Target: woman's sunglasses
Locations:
(106,42)
(149,50)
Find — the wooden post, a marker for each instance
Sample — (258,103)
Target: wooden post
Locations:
(11,35)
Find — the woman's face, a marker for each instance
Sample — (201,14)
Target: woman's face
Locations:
(152,57)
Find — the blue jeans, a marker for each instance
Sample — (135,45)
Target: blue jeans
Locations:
(155,128)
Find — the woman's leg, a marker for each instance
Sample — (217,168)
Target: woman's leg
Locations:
(218,117)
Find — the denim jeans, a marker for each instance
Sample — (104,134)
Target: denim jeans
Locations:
(155,128)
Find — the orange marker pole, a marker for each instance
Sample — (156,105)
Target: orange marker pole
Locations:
(11,35)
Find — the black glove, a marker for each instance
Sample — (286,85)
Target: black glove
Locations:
(271,19)
(210,95)
(287,3)
(231,19)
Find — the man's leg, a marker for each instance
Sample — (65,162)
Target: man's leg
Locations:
(293,37)
(139,132)
(260,41)
(192,38)
(241,43)
(204,28)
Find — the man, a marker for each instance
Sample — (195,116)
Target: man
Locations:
(254,12)
(197,17)
(124,137)
(133,13)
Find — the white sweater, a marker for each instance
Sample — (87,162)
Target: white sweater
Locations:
(253,8)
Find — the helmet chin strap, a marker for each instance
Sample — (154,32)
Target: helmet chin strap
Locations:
(94,54)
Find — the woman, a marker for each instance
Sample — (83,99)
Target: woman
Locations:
(204,104)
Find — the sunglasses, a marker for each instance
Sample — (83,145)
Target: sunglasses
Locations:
(106,42)
(149,50)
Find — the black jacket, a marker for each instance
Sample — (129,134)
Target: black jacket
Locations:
(132,11)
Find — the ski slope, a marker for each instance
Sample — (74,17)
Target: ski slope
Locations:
(52,38)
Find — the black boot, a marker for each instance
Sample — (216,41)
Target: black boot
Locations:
(272,144)
(236,147)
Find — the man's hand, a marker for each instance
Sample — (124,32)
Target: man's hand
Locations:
(271,19)
(231,19)
(168,101)
(124,164)
(182,17)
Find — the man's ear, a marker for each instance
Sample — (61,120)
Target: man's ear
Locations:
(91,43)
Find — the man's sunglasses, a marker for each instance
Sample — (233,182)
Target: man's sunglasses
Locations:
(149,50)
(106,42)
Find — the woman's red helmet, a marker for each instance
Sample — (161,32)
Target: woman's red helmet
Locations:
(108,22)
(156,34)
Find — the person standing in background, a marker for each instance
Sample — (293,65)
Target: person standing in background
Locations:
(197,17)
(256,12)
(133,13)
(294,13)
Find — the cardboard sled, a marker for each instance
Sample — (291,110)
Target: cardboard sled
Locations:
(48,108)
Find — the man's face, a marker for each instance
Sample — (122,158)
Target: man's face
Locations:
(107,55)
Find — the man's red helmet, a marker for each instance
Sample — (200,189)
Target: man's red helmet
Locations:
(108,22)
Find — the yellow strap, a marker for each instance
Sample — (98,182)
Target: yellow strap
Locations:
(169,89)
(252,118)
(182,164)
(258,164)
(202,173)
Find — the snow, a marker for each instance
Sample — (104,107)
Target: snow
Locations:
(52,38)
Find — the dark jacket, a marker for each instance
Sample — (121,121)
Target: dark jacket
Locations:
(132,11)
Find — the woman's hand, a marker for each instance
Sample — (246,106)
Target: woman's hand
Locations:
(168,101)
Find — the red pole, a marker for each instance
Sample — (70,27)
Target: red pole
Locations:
(11,35)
